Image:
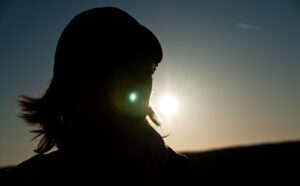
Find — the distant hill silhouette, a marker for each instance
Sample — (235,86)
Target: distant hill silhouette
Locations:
(249,165)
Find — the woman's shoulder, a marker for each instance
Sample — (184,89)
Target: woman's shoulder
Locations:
(36,165)
(176,160)
(176,168)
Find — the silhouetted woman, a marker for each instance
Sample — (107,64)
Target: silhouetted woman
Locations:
(96,110)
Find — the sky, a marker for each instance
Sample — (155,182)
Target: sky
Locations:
(232,67)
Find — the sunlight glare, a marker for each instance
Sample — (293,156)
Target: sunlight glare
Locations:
(167,106)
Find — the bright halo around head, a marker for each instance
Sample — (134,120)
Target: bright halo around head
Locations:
(167,106)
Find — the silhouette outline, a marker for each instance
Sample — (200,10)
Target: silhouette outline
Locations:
(103,54)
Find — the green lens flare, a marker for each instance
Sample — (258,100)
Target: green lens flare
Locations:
(133,97)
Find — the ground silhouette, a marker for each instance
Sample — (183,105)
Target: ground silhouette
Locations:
(266,164)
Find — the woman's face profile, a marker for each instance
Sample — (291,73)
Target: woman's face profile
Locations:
(132,90)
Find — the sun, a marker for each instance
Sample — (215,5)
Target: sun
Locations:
(167,106)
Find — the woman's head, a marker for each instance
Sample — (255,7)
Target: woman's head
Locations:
(102,77)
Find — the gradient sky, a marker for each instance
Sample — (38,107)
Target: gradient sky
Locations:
(232,65)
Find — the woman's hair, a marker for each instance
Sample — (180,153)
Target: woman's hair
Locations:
(110,36)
